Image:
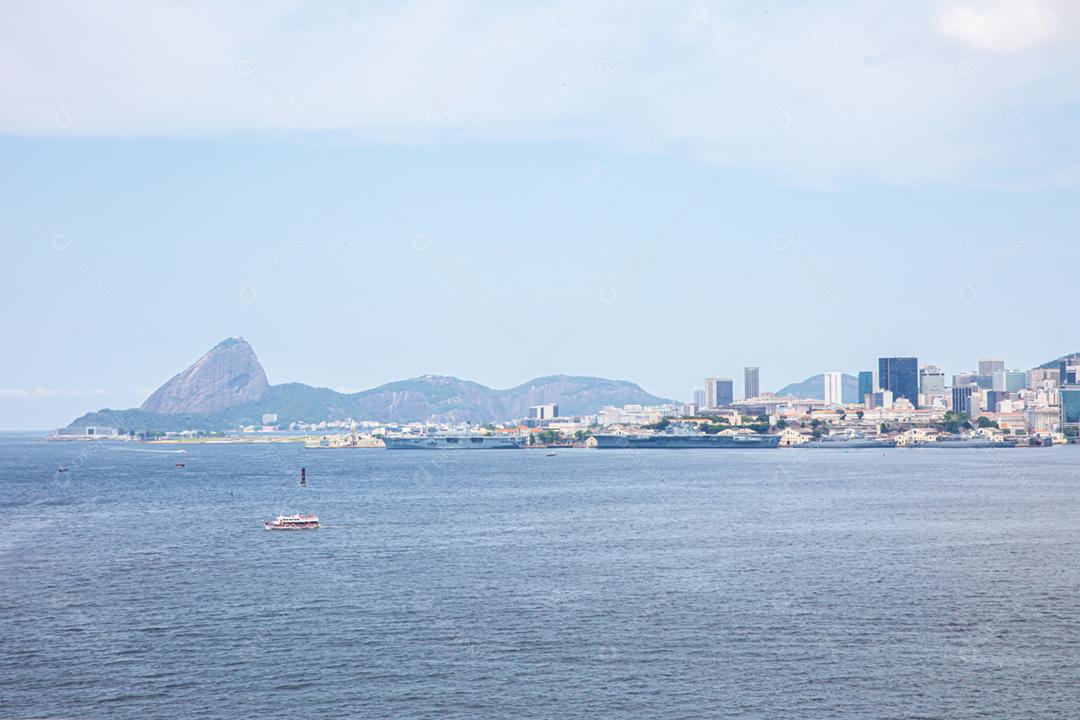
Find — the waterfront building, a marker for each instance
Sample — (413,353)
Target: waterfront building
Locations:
(751,382)
(866,384)
(900,375)
(790,437)
(719,392)
(1043,419)
(89,432)
(961,399)
(834,388)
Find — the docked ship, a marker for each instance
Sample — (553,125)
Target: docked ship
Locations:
(685,442)
(968,443)
(453,442)
(292,522)
(848,442)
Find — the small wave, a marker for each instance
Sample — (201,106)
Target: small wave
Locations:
(127,697)
(294,686)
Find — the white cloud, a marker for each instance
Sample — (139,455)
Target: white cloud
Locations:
(1005,25)
(13,393)
(810,91)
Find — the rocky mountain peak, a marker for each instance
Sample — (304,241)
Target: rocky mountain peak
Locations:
(229,375)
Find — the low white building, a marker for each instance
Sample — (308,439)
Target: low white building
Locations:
(791,436)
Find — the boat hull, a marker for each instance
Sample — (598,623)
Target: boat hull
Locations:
(292,522)
(847,445)
(686,442)
(965,445)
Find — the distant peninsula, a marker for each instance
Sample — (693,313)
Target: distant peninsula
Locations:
(228,388)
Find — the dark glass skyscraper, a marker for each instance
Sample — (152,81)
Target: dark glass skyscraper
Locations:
(901,376)
(751,382)
(725,392)
(1070,408)
(961,400)
(866,384)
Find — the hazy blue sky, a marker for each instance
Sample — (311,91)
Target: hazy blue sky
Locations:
(651,192)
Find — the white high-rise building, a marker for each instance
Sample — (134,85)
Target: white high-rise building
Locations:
(834,388)
(719,392)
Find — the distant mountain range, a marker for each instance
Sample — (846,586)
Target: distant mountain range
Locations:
(813,388)
(227,387)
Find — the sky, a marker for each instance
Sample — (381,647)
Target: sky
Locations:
(656,192)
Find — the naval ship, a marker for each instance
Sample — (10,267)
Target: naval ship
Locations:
(855,441)
(970,443)
(453,442)
(686,442)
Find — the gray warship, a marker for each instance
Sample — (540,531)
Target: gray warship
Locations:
(453,442)
(686,442)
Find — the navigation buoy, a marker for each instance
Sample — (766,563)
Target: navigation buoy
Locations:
(303,477)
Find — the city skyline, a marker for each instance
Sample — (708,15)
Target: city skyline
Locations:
(227,388)
(81,402)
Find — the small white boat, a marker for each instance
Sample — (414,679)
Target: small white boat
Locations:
(292,522)
(551,454)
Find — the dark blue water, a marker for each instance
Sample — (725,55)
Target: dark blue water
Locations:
(614,584)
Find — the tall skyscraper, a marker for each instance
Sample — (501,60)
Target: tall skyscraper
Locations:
(751,382)
(1070,408)
(834,388)
(991,366)
(931,382)
(719,392)
(725,392)
(699,397)
(961,399)
(901,376)
(866,384)
(1010,381)
(710,392)
(963,379)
